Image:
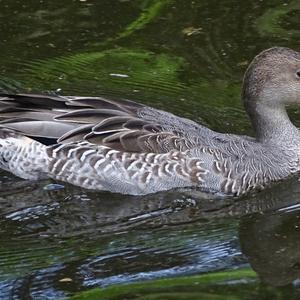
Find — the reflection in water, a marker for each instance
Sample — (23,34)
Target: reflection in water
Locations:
(271,243)
(101,239)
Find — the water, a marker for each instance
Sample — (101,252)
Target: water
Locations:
(187,57)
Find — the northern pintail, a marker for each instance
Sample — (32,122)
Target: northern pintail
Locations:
(126,147)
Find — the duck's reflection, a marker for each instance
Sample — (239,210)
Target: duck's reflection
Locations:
(272,246)
(88,232)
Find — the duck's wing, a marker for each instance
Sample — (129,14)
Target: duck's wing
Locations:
(120,124)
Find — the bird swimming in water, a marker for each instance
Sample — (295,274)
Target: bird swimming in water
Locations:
(129,148)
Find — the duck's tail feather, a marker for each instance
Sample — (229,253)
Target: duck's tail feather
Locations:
(22,156)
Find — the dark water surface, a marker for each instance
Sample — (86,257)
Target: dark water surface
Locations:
(187,57)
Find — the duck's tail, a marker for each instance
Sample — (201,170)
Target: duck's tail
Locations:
(22,156)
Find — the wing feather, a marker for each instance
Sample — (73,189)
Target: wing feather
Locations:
(117,123)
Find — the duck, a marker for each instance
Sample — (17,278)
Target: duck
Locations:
(125,147)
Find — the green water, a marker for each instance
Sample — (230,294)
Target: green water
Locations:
(187,57)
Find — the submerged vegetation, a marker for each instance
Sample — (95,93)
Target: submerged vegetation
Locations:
(193,287)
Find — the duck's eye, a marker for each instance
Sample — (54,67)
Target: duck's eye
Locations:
(298,73)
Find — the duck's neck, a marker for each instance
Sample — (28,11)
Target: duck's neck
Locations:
(272,124)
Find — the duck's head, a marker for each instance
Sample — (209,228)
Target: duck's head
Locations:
(273,78)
